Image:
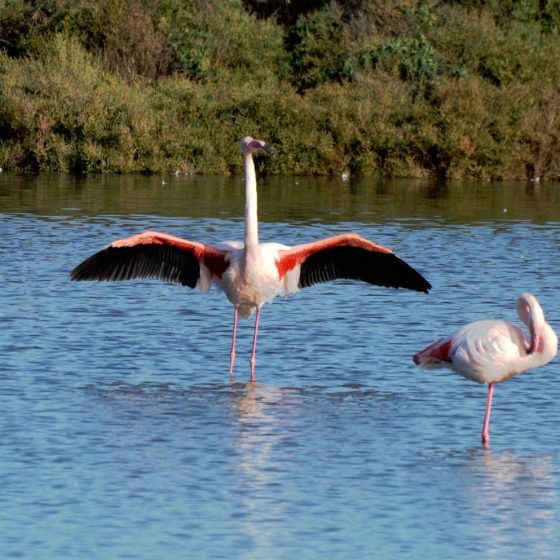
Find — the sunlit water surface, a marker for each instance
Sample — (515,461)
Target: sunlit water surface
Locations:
(121,436)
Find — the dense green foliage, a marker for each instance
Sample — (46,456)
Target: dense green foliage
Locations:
(459,88)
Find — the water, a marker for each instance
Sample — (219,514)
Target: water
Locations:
(121,436)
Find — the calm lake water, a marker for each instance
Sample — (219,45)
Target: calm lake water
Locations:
(122,438)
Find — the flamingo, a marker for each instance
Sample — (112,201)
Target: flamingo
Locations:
(250,273)
(493,351)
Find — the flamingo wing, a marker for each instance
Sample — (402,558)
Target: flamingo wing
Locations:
(484,351)
(352,257)
(152,255)
(437,354)
(490,351)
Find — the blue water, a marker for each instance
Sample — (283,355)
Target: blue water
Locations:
(121,436)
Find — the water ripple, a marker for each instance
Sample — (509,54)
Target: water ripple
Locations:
(121,436)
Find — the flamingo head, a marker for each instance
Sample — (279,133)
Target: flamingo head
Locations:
(530,311)
(544,344)
(543,339)
(250,145)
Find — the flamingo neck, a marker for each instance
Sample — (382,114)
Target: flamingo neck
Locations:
(544,344)
(251,220)
(533,342)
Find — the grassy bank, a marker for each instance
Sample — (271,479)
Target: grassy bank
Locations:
(397,88)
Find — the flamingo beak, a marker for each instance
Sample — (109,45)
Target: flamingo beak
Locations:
(536,344)
(260,145)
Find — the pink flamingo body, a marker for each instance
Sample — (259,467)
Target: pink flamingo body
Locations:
(250,273)
(492,351)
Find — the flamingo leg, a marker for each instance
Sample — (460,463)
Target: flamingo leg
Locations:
(485,434)
(254,352)
(232,353)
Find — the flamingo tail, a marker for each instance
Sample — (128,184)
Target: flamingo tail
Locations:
(435,355)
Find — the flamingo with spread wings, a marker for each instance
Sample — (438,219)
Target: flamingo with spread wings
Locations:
(250,273)
(493,351)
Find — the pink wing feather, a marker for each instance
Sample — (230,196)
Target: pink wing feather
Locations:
(153,255)
(349,256)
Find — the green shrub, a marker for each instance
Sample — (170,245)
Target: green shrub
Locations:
(398,88)
(66,113)
(214,39)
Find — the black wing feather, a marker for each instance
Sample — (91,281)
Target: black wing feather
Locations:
(355,263)
(162,262)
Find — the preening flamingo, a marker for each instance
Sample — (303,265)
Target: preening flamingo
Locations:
(493,351)
(250,273)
